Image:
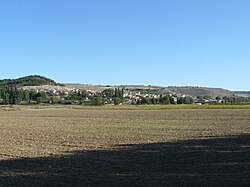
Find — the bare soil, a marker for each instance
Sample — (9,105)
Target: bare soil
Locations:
(69,147)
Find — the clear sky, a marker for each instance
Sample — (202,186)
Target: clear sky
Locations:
(156,42)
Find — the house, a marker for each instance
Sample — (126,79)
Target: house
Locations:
(208,101)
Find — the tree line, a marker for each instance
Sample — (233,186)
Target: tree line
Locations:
(164,99)
(235,100)
(12,96)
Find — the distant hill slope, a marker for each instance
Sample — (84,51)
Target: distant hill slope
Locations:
(243,93)
(192,91)
(32,80)
(204,91)
(200,91)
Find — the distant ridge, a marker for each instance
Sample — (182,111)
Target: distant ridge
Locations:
(200,91)
(245,93)
(32,80)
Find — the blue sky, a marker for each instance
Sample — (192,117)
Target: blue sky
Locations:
(156,42)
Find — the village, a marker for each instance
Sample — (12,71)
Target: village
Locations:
(130,96)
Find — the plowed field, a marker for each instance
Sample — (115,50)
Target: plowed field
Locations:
(70,147)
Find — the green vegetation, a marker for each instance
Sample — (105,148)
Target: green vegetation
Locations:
(33,80)
(10,92)
(235,100)
(14,96)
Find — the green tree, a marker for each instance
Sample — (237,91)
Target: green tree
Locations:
(39,100)
(218,98)
(165,99)
(19,94)
(172,101)
(117,101)
(97,100)
(26,96)
(6,98)
(108,93)
(146,100)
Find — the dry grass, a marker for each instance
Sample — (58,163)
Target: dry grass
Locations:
(57,133)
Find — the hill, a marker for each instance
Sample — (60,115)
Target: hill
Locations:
(200,91)
(243,93)
(32,80)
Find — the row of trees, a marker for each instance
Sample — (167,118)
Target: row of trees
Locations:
(108,96)
(15,96)
(235,100)
(164,99)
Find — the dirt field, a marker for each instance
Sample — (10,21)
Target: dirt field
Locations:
(70,147)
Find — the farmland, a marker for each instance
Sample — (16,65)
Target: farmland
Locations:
(47,146)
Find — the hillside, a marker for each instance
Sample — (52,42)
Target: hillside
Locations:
(200,91)
(243,93)
(32,80)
